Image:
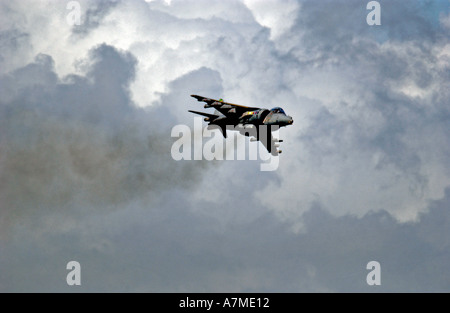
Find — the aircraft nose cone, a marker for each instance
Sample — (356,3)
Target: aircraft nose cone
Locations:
(291,120)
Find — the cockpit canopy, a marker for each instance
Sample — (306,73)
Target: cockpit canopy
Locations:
(278,110)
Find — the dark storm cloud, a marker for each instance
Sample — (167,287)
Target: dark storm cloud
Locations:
(175,250)
(410,261)
(80,143)
(330,256)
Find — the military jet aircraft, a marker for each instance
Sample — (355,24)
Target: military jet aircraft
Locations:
(246,120)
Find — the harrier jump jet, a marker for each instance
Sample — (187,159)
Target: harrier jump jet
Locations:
(246,120)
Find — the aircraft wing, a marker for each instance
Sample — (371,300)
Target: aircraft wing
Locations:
(211,117)
(225,108)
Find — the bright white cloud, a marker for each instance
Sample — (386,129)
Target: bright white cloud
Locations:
(278,16)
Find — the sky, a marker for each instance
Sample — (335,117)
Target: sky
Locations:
(86,172)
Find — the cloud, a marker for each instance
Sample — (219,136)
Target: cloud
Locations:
(93,16)
(175,250)
(85,120)
(79,142)
(366,106)
(279,17)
